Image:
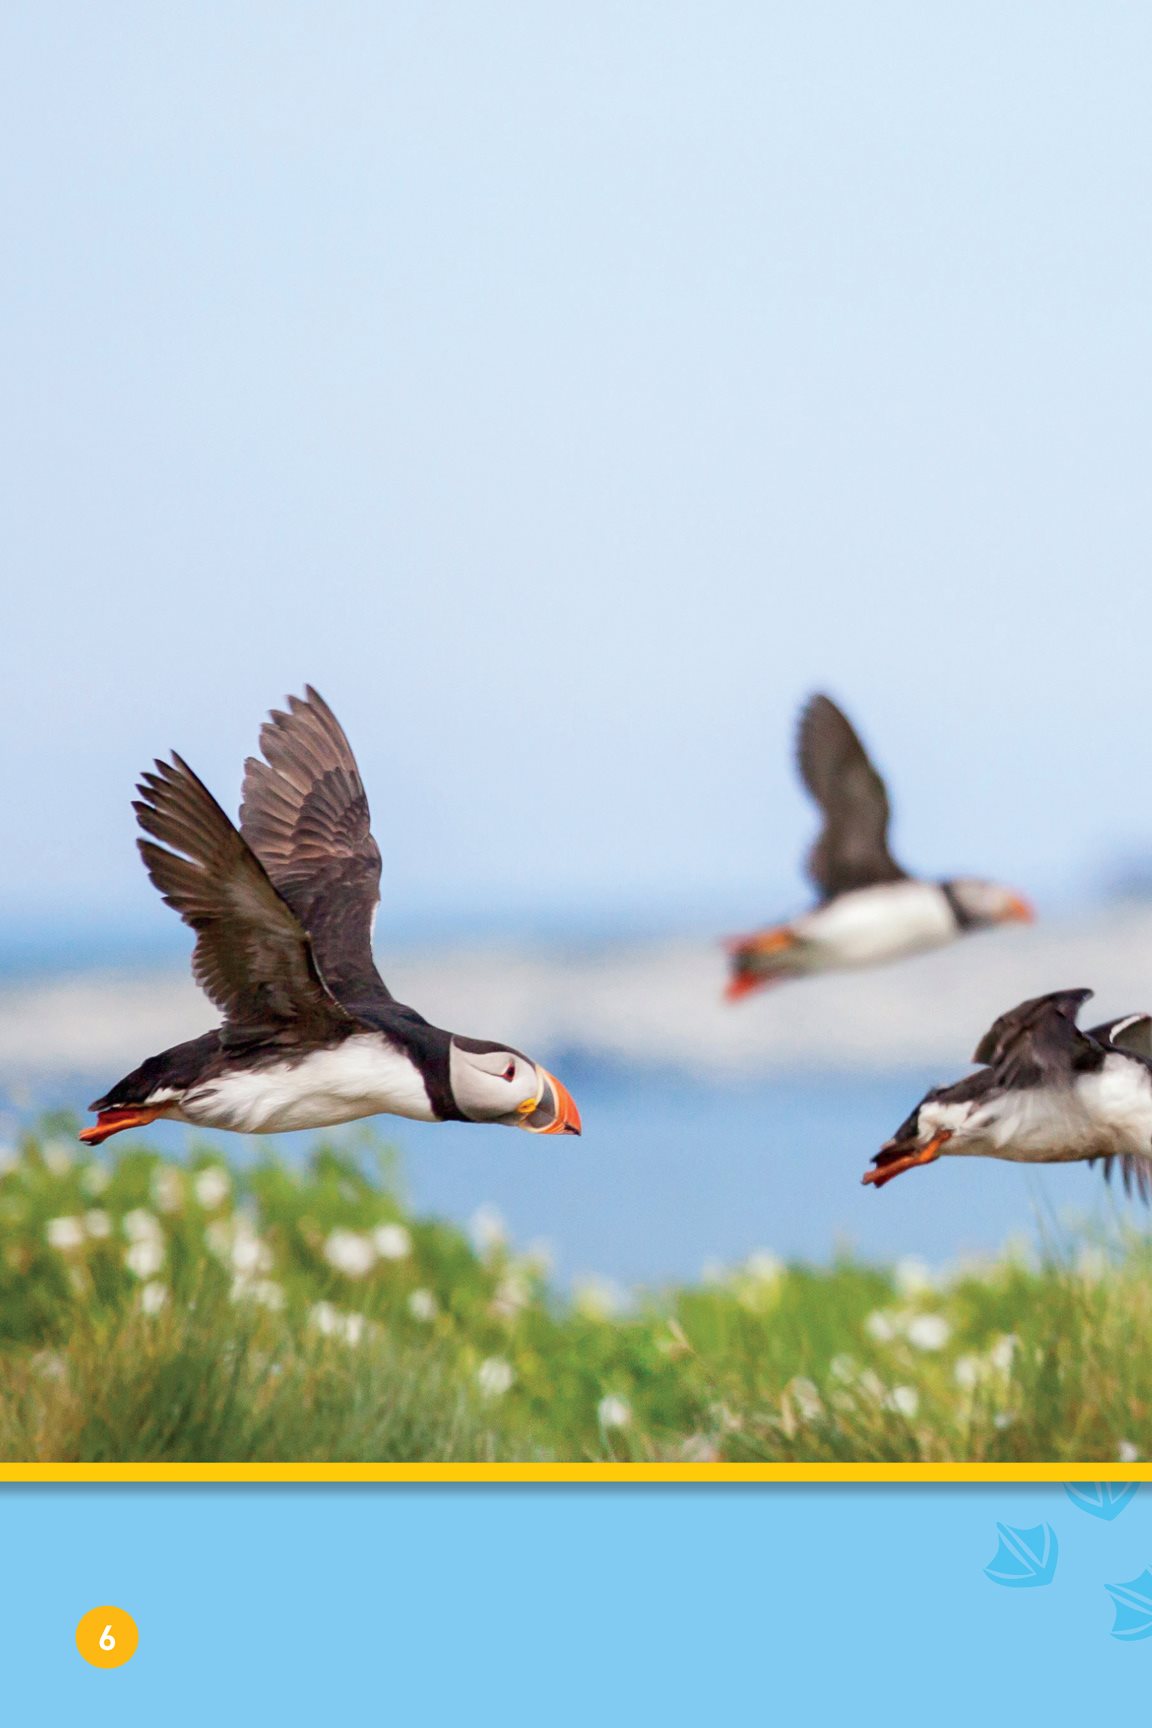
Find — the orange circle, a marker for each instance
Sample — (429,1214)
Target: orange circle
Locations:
(107,1637)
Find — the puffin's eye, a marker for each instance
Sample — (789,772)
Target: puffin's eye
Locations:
(509,1073)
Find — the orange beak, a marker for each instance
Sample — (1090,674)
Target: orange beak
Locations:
(890,1161)
(113,1122)
(567,1117)
(1019,911)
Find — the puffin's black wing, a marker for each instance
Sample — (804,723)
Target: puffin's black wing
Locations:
(1131,1033)
(252,956)
(1038,1042)
(305,815)
(852,848)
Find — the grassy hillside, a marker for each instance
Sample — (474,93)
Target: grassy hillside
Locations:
(154,1311)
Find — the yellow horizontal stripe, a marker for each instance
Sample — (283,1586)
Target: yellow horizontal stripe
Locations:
(895,1473)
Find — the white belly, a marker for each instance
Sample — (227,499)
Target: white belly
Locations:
(874,924)
(1102,1115)
(364,1076)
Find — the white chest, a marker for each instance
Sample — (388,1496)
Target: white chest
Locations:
(363,1076)
(873,924)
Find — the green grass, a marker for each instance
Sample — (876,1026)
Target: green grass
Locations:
(152,1310)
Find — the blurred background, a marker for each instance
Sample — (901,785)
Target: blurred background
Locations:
(567,392)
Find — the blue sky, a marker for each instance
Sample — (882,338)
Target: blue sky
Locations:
(566,391)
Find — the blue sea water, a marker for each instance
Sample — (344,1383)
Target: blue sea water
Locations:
(673,1173)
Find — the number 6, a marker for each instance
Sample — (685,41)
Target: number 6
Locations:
(107,1642)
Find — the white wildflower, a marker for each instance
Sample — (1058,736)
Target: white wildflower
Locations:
(911,1276)
(614,1412)
(597,1298)
(928,1331)
(487,1229)
(50,1365)
(764,1267)
(153,1297)
(64,1234)
(58,1157)
(806,1398)
(392,1241)
(263,1291)
(350,1253)
(422,1305)
(883,1326)
(904,1400)
(97,1224)
(844,1369)
(494,1376)
(871,1385)
(1126,1453)
(212,1186)
(1003,1352)
(333,1322)
(248,1253)
(968,1372)
(142,1226)
(167,1189)
(513,1294)
(94,1178)
(145,1258)
(325,1316)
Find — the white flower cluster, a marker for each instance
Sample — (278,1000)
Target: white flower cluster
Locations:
(922,1331)
(356,1252)
(145,1232)
(495,1376)
(335,1322)
(613,1412)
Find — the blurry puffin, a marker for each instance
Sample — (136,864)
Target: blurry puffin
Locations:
(1048,1094)
(870,909)
(283,912)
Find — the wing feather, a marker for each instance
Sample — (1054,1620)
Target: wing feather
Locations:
(851,850)
(252,958)
(305,815)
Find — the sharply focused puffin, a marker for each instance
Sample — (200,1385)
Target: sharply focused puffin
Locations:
(1048,1094)
(870,909)
(283,912)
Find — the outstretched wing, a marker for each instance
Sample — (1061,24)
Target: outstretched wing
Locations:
(1039,1041)
(852,848)
(1131,1033)
(305,815)
(252,958)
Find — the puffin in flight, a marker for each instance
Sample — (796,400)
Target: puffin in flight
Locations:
(870,909)
(1047,1093)
(283,909)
